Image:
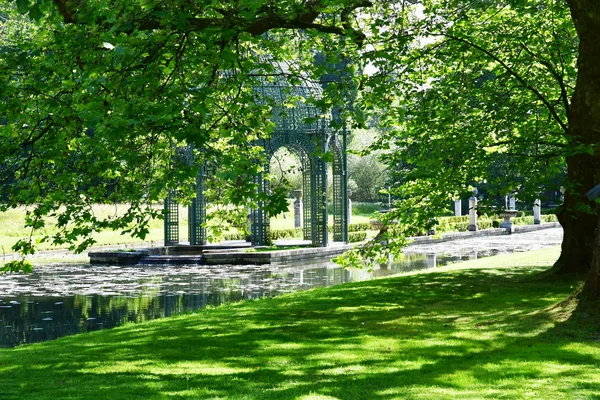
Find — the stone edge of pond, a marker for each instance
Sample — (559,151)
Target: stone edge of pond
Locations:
(419,240)
(235,254)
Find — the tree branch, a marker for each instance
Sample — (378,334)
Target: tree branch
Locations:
(270,19)
(514,74)
(563,89)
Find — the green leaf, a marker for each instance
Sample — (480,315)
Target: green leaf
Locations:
(35,13)
(17,266)
(328,157)
(23,6)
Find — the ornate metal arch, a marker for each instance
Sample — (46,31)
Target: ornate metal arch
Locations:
(304,130)
(314,182)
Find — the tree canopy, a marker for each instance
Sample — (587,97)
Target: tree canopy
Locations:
(98,97)
(482,85)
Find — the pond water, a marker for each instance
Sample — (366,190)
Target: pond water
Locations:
(64,299)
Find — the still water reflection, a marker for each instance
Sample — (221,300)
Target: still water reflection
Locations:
(60,300)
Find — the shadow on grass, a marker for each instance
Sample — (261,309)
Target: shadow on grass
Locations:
(469,333)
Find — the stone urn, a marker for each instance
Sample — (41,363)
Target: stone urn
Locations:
(507,224)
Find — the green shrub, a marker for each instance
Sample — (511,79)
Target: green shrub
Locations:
(354,237)
(461,224)
(234,236)
(522,220)
(549,211)
(363,226)
(356,232)
(277,234)
(443,225)
(462,218)
(485,223)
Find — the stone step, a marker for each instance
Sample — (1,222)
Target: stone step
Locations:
(197,259)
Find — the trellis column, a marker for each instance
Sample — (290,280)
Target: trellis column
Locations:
(318,185)
(197,211)
(260,220)
(171,225)
(308,194)
(341,200)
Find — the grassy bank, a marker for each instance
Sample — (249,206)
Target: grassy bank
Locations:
(486,328)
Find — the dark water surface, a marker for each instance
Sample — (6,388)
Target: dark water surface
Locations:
(60,300)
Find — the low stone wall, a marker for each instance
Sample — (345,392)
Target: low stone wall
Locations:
(275,257)
(482,233)
(238,254)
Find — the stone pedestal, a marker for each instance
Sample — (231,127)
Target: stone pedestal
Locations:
(512,202)
(249,224)
(473,214)
(507,224)
(298,209)
(349,207)
(457,208)
(537,214)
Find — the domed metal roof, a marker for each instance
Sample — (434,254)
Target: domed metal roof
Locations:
(292,103)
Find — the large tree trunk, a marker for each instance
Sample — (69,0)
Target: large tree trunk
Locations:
(584,129)
(579,226)
(591,290)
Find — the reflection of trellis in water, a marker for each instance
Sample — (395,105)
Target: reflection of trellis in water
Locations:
(304,131)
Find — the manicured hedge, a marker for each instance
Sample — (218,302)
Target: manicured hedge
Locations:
(273,235)
(461,224)
(354,237)
(363,226)
(234,236)
(356,232)
(452,220)
(286,234)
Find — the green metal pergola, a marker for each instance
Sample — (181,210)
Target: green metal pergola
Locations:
(304,131)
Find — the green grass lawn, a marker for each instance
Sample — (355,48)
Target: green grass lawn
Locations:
(484,329)
(12,223)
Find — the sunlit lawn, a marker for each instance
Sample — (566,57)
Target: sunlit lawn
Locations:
(487,328)
(12,227)
(12,223)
